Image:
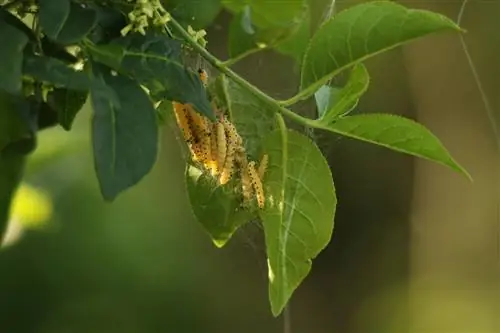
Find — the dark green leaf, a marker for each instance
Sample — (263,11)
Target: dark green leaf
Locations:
(14,21)
(66,103)
(198,14)
(11,58)
(18,124)
(47,116)
(155,60)
(346,99)
(124,134)
(360,32)
(65,21)
(396,133)
(216,207)
(109,54)
(299,214)
(56,72)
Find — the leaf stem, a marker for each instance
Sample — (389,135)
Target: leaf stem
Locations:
(222,67)
(230,62)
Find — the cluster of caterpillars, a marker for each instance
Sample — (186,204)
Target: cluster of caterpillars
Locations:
(219,148)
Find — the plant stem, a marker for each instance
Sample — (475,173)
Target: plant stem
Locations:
(232,61)
(222,67)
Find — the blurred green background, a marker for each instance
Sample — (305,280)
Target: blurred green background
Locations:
(416,247)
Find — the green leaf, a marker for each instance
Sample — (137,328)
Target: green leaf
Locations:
(321,11)
(266,14)
(253,118)
(326,97)
(216,207)
(155,61)
(396,133)
(299,215)
(15,22)
(17,124)
(296,44)
(260,24)
(124,133)
(56,72)
(346,99)
(66,103)
(198,14)
(11,58)
(65,21)
(361,32)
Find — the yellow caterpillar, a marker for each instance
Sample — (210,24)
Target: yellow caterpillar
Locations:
(257,184)
(263,166)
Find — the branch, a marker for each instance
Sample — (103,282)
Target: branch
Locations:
(222,67)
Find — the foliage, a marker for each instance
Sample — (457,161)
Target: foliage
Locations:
(130,58)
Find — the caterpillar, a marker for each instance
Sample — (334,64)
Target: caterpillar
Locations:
(263,166)
(182,117)
(246,185)
(256,183)
(203,76)
(221,140)
(213,165)
(232,145)
(230,128)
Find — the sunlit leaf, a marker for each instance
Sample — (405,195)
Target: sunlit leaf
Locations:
(360,32)
(124,134)
(396,133)
(217,208)
(299,214)
(253,118)
(339,102)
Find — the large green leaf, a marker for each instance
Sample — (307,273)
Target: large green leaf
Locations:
(341,102)
(56,72)
(17,124)
(65,21)
(360,32)
(396,133)
(124,133)
(155,60)
(11,57)
(216,207)
(299,215)
(253,118)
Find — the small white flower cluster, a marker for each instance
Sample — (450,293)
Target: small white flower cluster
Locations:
(144,13)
